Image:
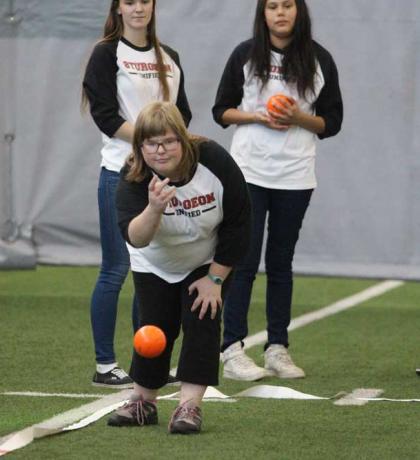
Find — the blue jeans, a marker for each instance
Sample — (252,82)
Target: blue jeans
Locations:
(286,210)
(113,272)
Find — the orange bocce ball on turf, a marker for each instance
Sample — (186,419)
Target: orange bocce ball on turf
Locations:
(278,99)
(149,341)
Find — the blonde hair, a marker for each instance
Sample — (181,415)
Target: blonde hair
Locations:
(156,119)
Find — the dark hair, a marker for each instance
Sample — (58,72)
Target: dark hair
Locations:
(114,30)
(299,57)
(156,119)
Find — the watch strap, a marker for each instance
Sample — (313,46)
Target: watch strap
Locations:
(216,279)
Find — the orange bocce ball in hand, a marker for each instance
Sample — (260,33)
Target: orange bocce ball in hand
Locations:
(149,341)
(278,99)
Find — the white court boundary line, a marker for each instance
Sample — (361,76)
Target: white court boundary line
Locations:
(336,307)
(54,395)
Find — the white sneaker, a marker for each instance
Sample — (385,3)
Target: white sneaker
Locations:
(238,366)
(278,362)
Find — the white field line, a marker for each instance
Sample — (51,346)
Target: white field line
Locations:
(336,307)
(57,395)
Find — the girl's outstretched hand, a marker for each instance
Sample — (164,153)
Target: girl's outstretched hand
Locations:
(160,194)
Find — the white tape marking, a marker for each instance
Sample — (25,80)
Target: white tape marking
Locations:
(359,397)
(58,423)
(53,395)
(337,307)
(95,416)
(275,392)
(389,400)
(211,394)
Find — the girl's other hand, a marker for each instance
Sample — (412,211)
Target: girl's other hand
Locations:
(209,296)
(270,122)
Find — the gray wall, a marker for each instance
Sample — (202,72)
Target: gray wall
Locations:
(364,219)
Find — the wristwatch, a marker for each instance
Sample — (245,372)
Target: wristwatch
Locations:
(216,279)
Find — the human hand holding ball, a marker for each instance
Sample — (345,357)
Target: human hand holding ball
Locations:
(278,103)
(149,341)
(281,109)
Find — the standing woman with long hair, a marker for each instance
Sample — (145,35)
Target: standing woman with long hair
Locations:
(128,69)
(275,148)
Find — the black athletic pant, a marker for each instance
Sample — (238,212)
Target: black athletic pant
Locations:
(168,306)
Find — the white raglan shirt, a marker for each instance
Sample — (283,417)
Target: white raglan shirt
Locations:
(209,218)
(138,85)
(270,158)
(120,79)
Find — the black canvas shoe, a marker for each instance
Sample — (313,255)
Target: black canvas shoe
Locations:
(116,378)
(418,371)
(185,420)
(135,413)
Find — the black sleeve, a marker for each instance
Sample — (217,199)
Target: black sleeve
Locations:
(329,104)
(230,91)
(131,200)
(100,86)
(182,101)
(235,229)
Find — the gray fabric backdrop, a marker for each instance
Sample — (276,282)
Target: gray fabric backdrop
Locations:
(364,219)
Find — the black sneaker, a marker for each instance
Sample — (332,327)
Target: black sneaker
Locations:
(116,378)
(418,371)
(185,420)
(135,413)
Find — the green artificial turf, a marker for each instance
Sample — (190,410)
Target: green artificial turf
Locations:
(46,346)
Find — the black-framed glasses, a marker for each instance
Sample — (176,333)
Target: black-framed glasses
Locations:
(171,143)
